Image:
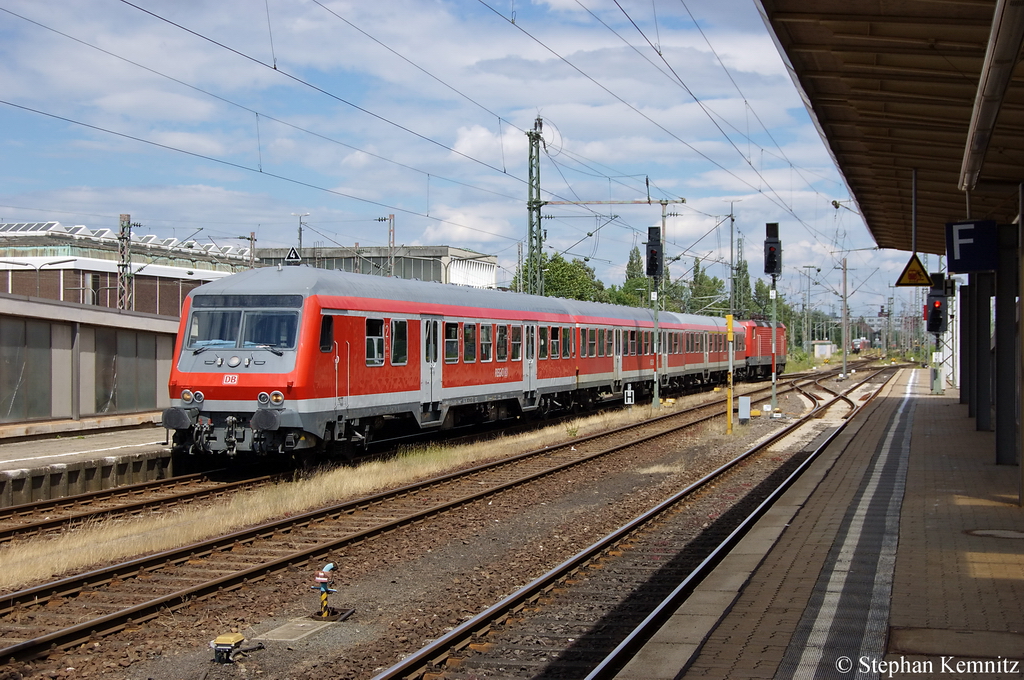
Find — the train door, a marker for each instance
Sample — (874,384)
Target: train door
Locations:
(430,371)
(707,354)
(530,358)
(617,353)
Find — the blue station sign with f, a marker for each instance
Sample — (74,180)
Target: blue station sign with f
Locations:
(972,246)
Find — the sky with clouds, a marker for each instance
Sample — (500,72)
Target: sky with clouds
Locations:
(236,115)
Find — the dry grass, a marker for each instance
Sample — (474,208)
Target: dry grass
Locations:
(31,561)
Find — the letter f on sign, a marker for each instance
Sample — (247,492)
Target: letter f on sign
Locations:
(957,228)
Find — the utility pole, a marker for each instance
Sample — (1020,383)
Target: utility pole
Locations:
(807,307)
(534,237)
(300,216)
(773,267)
(732,259)
(251,238)
(390,219)
(846,321)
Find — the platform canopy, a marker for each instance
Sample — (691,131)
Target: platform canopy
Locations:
(899,85)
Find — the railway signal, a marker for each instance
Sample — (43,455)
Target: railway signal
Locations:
(937,316)
(655,252)
(772,250)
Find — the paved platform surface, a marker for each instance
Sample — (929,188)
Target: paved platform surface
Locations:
(899,554)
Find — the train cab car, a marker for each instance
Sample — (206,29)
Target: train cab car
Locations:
(296,360)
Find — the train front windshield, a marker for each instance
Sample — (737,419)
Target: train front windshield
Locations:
(243,322)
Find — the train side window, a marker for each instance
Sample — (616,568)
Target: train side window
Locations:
(501,350)
(632,343)
(568,343)
(486,341)
(543,345)
(618,342)
(326,333)
(469,342)
(600,342)
(531,331)
(592,345)
(375,342)
(451,343)
(399,342)
(430,344)
(555,332)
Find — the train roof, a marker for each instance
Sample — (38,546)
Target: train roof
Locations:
(305,281)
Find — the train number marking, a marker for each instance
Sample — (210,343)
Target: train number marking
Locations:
(230,379)
(501,372)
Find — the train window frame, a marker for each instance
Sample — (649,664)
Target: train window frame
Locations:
(430,340)
(554,342)
(374,343)
(632,342)
(451,344)
(501,342)
(326,333)
(531,333)
(600,342)
(568,348)
(592,342)
(542,343)
(618,342)
(515,337)
(399,342)
(469,343)
(486,342)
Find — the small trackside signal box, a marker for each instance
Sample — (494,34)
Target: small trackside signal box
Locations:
(772,249)
(655,253)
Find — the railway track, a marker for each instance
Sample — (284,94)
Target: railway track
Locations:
(35,620)
(63,514)
(587,616)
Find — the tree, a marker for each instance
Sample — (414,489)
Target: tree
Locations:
(635,267)
(574,280)
(707,294)
(744,297)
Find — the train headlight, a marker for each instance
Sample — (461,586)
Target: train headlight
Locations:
(198,396)
(234,361)
(186,396)
(263,398)
(276,398)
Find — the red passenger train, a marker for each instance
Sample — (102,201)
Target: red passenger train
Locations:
(290,359)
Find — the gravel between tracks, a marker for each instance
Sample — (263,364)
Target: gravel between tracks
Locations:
(412,585)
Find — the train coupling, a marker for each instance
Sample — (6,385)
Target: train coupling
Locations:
(226,647)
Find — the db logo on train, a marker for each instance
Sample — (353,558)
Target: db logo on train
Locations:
(230,379)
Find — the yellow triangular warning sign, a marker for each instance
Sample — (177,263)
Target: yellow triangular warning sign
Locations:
(914,274)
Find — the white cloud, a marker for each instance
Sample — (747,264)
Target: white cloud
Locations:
(440,138)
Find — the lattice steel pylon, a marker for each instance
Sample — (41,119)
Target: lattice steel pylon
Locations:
(124,264)
(533,272)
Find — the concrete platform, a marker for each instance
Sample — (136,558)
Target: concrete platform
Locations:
(900,554)
(62,458)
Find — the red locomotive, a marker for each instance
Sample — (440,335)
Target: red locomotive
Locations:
(295,359)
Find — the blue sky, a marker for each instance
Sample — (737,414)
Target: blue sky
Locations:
(174,112)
